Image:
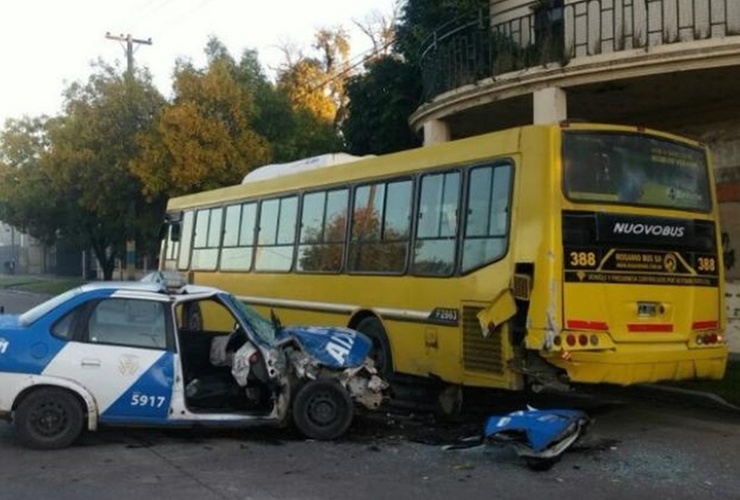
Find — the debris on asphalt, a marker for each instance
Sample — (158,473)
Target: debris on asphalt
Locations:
(538,436)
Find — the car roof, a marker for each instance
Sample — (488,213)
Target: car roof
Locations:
(151,289)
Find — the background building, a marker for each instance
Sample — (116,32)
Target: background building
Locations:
(672,65)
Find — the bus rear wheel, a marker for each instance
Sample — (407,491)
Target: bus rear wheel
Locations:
(381,351)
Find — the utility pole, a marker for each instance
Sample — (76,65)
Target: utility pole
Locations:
(131,243)
(130,41)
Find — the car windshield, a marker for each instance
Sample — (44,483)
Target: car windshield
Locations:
(260,325)
(33,314)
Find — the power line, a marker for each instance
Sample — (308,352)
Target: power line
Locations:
(341,74)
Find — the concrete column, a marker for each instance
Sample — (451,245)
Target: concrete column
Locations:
(436,131)
(550,105)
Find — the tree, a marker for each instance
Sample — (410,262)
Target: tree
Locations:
(204,140)
(316,84)
(380,102)
(75,181)
(382,99)
(24,184)
(379,28)
(419,19)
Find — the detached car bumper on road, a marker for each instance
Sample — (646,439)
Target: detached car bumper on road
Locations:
(139,353)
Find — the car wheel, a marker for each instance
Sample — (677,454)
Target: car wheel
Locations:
(381,351)
(322,409)
(49,419)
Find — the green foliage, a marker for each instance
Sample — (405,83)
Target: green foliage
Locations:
(24,185)
(72,179)
(316,83)
(380,103)
(421,18)
(204,139)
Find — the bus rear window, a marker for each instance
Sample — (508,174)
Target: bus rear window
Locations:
(634,169)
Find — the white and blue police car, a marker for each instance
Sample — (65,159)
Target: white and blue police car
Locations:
(142,353)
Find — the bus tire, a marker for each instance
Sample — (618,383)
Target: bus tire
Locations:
(322,410)
(381,350)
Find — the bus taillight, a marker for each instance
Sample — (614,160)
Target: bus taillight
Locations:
(710,339)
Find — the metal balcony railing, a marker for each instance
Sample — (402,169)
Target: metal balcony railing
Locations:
(466,51)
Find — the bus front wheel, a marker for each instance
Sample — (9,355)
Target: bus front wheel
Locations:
(381,351)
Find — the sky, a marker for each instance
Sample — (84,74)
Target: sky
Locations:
(47,44)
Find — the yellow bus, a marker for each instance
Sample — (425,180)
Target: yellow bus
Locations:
(542,255)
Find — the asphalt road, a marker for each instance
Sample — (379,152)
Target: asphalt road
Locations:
(636,448)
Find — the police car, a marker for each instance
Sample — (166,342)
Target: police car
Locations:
(142,353)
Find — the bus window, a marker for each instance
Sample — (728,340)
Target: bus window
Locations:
(636,170)
(380,227)
(323,229)
(238,245)
(186,238)
(486,230)
(207,238)
(434,251)
(276,234)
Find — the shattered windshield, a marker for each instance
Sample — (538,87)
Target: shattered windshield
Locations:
(260,325)
(635,169)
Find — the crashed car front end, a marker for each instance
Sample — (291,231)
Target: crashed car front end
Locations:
(362,382)
(317,375)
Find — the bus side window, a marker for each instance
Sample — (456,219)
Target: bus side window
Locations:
(434,250)
(486,230)
(186,239)
(380,227)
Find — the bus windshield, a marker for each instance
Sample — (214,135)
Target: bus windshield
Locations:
(635,169)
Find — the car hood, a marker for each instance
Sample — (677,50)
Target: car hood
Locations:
(334,347)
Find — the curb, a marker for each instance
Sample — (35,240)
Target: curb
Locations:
(700,398)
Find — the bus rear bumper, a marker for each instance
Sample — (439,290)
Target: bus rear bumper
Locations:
(634,365)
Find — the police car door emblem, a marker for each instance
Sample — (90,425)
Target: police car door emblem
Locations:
(128,364)
(3,345)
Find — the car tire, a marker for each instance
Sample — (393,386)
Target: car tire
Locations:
(49,419)
(322,409)
(381,350)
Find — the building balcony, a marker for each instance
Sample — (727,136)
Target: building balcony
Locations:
(663,63)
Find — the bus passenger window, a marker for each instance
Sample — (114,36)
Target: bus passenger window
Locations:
(207,239)
(276,235)
(238,245)
(186,236)
(486,230)
(380,227)
(434,248)
(323,230)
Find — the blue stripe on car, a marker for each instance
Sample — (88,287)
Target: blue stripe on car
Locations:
(148,399)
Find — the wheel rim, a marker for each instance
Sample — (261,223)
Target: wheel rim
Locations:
(49,419)
(322,409)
